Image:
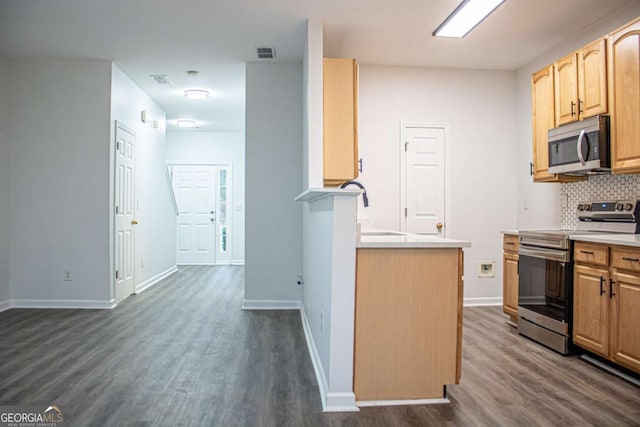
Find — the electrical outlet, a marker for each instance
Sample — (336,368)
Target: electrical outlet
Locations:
(300,280)
(321,321)
(67,275)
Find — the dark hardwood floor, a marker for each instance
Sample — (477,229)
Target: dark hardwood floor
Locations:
(184,354)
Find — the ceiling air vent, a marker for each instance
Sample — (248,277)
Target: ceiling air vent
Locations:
(161,79)
(266,53)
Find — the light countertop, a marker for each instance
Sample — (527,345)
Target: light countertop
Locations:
(376,238)
(510,231)
(609,239)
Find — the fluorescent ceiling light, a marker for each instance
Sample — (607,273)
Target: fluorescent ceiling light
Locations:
(466,17)
(186,124)
(196,94)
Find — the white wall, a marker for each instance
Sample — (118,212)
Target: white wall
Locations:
(273,224)
(216,148)
(479,108)
(155,236)
(312,118)
(59,140)
(4,181)
(328,302)
(543,199)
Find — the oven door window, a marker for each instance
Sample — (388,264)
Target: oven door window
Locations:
(542,286)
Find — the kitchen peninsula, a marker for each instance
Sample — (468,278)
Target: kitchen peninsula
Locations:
(408,318)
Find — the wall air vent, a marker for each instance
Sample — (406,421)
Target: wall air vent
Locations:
(161,79)
(266,53)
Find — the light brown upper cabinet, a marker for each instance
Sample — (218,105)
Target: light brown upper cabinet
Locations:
(581,83)
(543,120)
(624,97)
(542,107)
(340,120)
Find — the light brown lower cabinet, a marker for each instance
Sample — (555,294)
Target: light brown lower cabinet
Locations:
(606,302)
(408,325)
(510,277)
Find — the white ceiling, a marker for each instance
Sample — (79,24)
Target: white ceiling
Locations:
(216,37)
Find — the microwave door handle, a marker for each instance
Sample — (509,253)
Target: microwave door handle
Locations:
(579,147)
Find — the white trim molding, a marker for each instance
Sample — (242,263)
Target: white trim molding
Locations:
(321,378)
(341,402)
(155,279)
(5,305)
(331,402)
(237,262)
(483,301)
(259,304)
(64,304)
(367,403)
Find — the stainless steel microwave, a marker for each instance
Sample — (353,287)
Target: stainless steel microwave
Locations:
(580,148)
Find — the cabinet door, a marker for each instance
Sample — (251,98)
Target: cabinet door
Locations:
(625,320)
(592,97)
(542,109)
(591,309)
(624,98)
(510,284)
(566,99)
(340,120)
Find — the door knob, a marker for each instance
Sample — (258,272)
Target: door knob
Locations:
(134,222)
(439,226)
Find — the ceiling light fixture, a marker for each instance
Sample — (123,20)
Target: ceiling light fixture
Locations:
(186,124)
(466,17)
(196,94)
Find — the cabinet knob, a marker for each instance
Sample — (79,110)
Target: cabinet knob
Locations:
(439,226)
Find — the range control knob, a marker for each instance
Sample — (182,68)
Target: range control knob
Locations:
(587,207)
(628,207)
(580,207)
(619,206)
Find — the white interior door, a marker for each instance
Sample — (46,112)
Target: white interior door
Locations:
(124,220)
(202,195)
(423,179)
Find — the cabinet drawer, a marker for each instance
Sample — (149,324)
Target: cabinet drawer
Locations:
(625,259)
(591,254)
(510,243)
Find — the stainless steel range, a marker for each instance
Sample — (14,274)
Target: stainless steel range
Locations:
(545,267)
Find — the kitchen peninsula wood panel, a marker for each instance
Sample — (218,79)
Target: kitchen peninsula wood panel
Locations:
(408,325)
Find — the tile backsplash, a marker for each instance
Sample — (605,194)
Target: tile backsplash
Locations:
(597,187)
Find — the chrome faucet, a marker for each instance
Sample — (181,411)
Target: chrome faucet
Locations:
(365,199)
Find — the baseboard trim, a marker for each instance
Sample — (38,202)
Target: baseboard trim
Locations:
(341,402)
(331,402)
(63,304)
(259,304)
(368,403)
(484,301)
(321,378)
(237,262)
(5,305)
(155,279)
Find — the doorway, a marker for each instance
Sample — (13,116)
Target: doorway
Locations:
(422,178)
(124,241)
(203,194)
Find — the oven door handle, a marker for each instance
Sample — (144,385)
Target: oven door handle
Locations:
(549,254)
(579,147)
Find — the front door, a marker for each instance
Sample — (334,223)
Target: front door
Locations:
(423,179)
(203,197)
(124,220)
